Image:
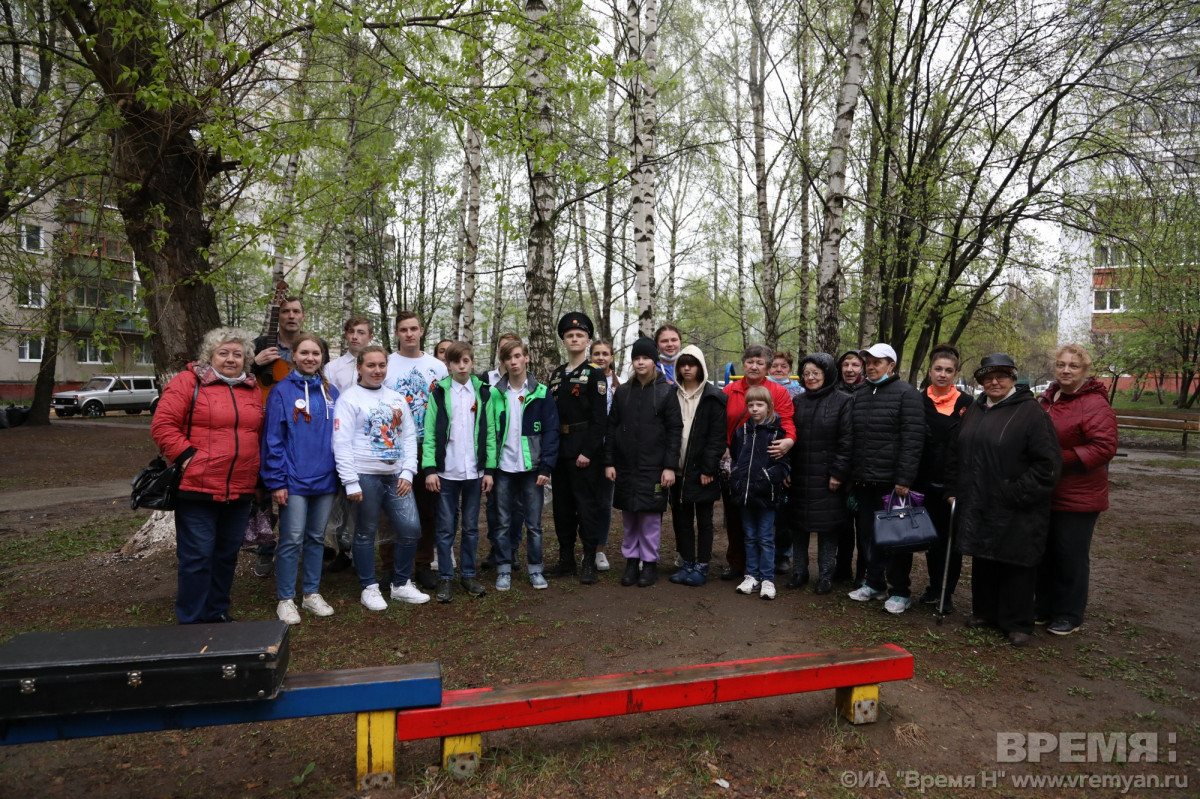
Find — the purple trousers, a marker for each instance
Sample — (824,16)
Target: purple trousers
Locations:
(643,531)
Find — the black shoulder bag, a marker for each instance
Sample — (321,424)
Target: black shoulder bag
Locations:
(155,486)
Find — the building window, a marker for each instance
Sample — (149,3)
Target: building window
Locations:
(87,351)
(1108,300)
(29,349)
(144,357)
(31,294)
(31,238)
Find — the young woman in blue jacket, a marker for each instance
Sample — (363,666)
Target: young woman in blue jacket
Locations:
(299,471)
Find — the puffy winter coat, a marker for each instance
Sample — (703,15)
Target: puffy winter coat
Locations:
(823,445)
(940,429)
(889,432)
(1087,433)
(1002,470)
(224,441)
(756,480)
(644,429)
(705,443)
(297,447)
(735,407)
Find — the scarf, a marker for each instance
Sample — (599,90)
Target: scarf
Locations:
(944,402)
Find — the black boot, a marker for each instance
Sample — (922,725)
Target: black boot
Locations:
(564,568)
(631,572)
(588,574)
(649,574)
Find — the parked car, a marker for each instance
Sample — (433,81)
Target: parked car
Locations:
(103,393)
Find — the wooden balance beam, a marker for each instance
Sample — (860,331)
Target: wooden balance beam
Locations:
(464,715)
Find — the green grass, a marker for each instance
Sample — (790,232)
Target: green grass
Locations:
(99,535)
(1175,463)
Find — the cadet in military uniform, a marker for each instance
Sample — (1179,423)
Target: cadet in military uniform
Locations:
(580,392)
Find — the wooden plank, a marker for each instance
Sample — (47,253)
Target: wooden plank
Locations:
(303,695)
(482,710)
(376,756)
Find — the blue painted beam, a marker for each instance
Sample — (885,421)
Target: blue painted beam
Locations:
(320,693)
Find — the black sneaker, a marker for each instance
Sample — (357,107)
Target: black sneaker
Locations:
(473,587)
(824,586)
(564,568)
(1061,627)
(426,579)
(265,566)
(445,590)
(930,597)
(729,573)
(341,561)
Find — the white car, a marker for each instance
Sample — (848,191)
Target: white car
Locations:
(102,393)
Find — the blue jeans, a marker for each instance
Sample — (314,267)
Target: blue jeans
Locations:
(208,536)
(519,498)
(454,493)
(759,524)
(379,494)
(301,526)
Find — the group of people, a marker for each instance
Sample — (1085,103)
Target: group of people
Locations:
(422,439)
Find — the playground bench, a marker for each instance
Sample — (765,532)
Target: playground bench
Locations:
(1184,422)
(464,715)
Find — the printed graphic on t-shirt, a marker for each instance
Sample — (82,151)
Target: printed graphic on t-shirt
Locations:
(414,387)
(383,427)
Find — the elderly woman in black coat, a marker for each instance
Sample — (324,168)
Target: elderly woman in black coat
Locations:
(1002,472)
(820,469)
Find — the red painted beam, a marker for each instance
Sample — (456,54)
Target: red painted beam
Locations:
(484,709)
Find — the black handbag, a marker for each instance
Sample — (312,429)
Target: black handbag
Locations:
(155,486)
(904,528)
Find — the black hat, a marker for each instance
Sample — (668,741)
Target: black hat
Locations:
(575,320)
(996,362)
(644,348)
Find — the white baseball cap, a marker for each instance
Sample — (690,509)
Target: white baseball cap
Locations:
(880,350)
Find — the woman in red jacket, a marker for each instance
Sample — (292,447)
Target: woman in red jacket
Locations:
(208,419)
(1087,433)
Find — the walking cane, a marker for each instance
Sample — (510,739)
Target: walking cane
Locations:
(941,614)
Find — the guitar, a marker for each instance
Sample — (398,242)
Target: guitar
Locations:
(280,368)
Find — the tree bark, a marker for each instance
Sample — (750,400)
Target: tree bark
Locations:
(829,268)
(642,33)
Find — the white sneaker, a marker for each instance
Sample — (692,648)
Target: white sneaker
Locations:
(865,593)
(286,611)
(372,599)
(317,605)
(748,585)
(767,590)
(602,562)
(409,593)
(897,604)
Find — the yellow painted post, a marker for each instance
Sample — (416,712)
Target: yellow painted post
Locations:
(859,704)
(461,754)
(376,749)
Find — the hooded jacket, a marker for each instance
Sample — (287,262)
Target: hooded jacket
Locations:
(297,443)
(644,431)
(1087,434)
(889,433)
(824,438)
(842,385)
(756,479)
(1002,470)
(705,440)
(224,441)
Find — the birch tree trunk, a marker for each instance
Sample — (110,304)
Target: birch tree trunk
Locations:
(539,265)
(770,278)
(740,244)
(829,268)
(642,32)
(584,257)
(604,321)
(460,246)
(470,262)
